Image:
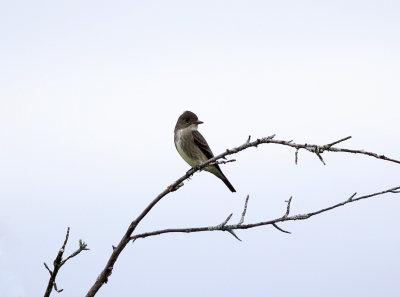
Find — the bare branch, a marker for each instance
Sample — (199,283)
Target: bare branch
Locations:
(280,229)
(58,262)
(56,289)
(48,269)
(107,270)
(82,247)
(352,196)
(288,207)
(225,222)
(329,145)
(362,152)
(175,188)
(273,222)
(244,210)
(319,156)
(57,266)
(223,162)
(234,234)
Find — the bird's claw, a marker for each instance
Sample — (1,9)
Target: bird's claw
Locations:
(189,173)
(192,170)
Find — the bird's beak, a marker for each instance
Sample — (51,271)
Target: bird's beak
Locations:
(198,122)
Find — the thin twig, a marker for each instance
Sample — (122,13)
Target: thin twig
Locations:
(329,145)
(244,210)
(48,269)
(319,156)
(288,207)
(233,234)
(280,229)
(56,289)
(59,262)
(226,221)
(52,281)
(352,196)
(82,247)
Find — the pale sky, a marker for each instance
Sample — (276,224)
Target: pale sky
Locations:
(90,94)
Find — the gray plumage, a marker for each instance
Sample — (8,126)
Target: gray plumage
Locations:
(192,146)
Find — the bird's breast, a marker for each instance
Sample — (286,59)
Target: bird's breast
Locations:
(187,148)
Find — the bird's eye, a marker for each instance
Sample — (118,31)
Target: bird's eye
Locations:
(187,120)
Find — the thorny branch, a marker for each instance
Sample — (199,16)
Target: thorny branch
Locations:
(58,262)
(317,149)
(285,218)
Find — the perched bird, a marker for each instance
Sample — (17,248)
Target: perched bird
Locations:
(192,146)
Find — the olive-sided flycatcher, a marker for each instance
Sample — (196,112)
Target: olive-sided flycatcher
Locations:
(192,146)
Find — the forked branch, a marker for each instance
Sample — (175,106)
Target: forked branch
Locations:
(316,149)
(59,262)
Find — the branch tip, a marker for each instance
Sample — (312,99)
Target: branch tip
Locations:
(351,197)
(395,190)
(226,221)
(288,207)
(56,289)
(336,142)
(244,210)
(48,269)
(319,155)
(280,229)
(233,234)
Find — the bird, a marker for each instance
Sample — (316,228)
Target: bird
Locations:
(192,146)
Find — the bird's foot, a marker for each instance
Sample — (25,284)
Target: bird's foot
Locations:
(196,168)
(189,173)
(192,170)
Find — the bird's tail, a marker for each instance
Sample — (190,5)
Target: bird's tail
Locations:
(218,173)
(228,184)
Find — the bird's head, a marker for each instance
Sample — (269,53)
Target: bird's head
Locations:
(187,119)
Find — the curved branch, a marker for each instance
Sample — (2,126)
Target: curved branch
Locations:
(318,150)
(273,222)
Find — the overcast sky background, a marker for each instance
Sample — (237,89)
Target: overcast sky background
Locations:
(90,94)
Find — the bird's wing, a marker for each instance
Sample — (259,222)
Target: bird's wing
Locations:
(202,143)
